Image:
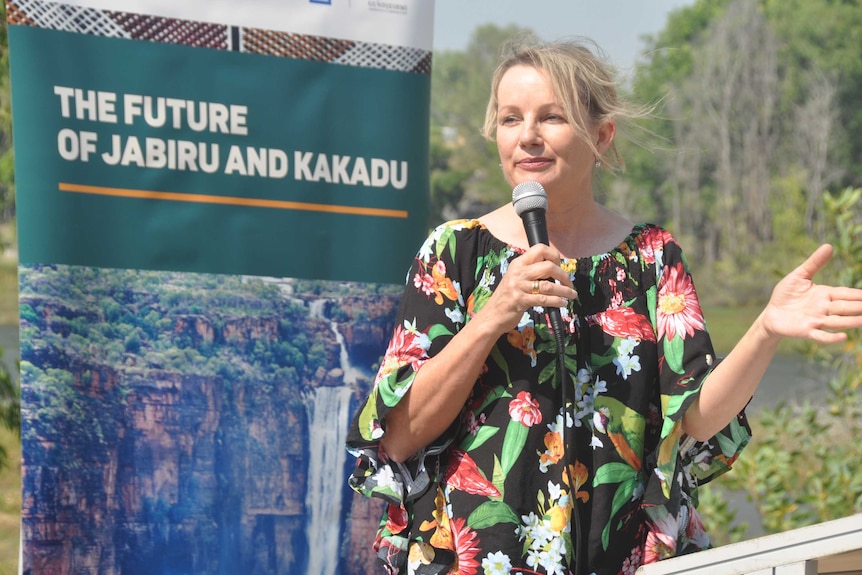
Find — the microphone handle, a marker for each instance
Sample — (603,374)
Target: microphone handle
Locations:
(536,227)
(537,233)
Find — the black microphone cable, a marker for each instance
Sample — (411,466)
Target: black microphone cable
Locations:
(531,203)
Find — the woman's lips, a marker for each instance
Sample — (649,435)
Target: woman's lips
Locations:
(533,163)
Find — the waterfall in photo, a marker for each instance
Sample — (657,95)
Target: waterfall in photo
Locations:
(328,411)
(351,373)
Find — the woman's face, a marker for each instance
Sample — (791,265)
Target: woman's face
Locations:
(534,139)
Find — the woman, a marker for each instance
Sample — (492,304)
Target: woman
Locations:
(499,456)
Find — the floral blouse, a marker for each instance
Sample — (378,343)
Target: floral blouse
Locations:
(521,482)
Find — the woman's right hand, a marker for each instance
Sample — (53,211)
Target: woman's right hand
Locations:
(533,279)
(443,384)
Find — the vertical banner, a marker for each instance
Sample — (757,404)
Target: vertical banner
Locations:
(217,203)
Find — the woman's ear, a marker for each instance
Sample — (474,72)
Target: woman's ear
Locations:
(605,136)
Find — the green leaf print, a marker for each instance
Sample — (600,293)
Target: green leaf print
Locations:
(368,415)
(513,444)
(652,305)
(727,445)
(571,360)
(491,260)
(485,433)
(547,374)
(437,330)
(672,404)
(625,428)
(498,358)
(608,357)
(493,395)
(491,513)
(622,496)
(498,478)
(673,353)
(614,472)
(739,433)
(731,444)
(544,345)
(447,238)
(392,394)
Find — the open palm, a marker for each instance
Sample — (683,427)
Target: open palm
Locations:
(801,308)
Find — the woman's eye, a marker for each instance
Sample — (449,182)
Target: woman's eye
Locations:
(507,120)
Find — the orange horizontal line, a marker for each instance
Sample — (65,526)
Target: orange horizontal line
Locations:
(231,201)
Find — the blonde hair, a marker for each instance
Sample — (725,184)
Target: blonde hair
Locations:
(582,79)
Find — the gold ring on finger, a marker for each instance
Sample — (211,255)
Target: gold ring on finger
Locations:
(535,289)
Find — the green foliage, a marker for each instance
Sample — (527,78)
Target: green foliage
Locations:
(709,205)
(824,35)
(668,54)
(718,516)
(10,407)
(10,502)
(7,170)
(804,464)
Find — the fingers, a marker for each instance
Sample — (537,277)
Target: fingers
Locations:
(827,337)
(844,311)
(815,262)
(849,299)
(535,278)
(543,263)
(547,293)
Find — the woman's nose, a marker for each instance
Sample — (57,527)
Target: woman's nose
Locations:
(529,134)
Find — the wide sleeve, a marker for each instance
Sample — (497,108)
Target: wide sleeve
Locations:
(431,311)
(686,359)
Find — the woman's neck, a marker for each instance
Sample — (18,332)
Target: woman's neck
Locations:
(586,230)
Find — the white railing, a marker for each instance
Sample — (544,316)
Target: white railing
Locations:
(795,552)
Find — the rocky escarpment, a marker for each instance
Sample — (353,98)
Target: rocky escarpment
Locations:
(161,437)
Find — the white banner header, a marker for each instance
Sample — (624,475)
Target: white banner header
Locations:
(394,22)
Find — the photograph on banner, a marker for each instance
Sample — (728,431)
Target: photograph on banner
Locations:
(195,423)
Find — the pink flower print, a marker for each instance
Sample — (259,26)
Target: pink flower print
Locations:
(407,347)
(653,240)
(424,283)
(679,311)
(525,410)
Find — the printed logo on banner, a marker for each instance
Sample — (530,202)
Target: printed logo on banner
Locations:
(389,6)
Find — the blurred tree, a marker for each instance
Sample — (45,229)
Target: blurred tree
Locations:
(466,179)
(10,406)
(7,169)
(729,119)
(822,39)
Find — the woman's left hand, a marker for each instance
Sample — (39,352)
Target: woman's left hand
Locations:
(803,309)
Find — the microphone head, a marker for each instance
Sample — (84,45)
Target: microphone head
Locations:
(529,196)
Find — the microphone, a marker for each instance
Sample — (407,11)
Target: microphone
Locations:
(531,203)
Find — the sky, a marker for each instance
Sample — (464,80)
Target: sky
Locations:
(616,25)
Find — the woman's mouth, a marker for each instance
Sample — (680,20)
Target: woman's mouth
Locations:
(533,163)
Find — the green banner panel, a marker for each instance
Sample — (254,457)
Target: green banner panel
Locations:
(141,155)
